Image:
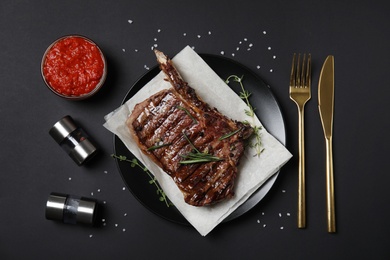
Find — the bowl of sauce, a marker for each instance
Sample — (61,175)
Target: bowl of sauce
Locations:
(74,67)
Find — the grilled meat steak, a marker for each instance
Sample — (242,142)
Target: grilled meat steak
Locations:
(175,123)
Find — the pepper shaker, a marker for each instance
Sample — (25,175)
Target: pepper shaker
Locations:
(73,140)
(71,209)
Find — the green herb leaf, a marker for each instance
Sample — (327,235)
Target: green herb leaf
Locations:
(155,147)
(196,156)
(244,95)
(153,181)
(188,113)
(229,134)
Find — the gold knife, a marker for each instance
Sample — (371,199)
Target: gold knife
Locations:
(326,107)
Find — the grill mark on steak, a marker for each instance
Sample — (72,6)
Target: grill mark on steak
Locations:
(173,115)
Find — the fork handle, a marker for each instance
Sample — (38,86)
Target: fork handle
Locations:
(330,204)
(301,171)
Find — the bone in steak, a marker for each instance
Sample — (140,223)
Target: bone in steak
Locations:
(174,123)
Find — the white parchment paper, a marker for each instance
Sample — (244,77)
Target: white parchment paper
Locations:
(253,171)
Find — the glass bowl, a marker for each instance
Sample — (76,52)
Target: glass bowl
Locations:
(74,67)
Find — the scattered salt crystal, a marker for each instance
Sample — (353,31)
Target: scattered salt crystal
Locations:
(258,66)
(258,221)
(130,21)
(274,57)
(238,48)
(199,36)
(288,214)
(248,49)
(240,42)
(136,50)
(209,32)
(222,52)
(124,230)
(146,67)
(159,30)
(262,213)
(125,214)
(116,225)
(284,191)
(269,48)
(184,34)
(70,178)
(281,227)
(104,202)
(91,193)
(98,190)
(104,224)
(103,220)
(155,39)
(123,50)
(264,225)
(124,188)
(233,54)
(280,215)
(90,235)
(250,45)
(105,172)
(245,39)
(264,32)
(271,70)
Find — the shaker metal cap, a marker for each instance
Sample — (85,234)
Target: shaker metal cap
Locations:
(55,206)
(87,211)
(83,151)
(62,129)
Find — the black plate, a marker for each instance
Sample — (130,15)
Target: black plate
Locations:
(267,110)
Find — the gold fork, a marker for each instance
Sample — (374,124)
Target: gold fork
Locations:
(300,93)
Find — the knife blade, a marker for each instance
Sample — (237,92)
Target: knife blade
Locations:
(326,109)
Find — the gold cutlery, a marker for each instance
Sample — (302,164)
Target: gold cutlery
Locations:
(300,93)
(326,107)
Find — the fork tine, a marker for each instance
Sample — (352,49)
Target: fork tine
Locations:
(292,76)
(298,80)
(303,76)
(308,71)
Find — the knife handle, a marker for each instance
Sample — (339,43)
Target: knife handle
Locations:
(330,204)
(301,172)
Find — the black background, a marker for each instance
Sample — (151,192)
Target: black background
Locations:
(261,35)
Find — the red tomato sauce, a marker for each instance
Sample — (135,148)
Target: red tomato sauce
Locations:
(73,66)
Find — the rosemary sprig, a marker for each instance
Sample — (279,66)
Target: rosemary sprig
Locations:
(133,163)
(158,146)
(188,113)
(195,156)
(191,158)
(229,134)
(244,95)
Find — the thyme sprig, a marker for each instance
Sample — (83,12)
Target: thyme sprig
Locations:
(134,163)
(195,156)
(244,95)
(257,145)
